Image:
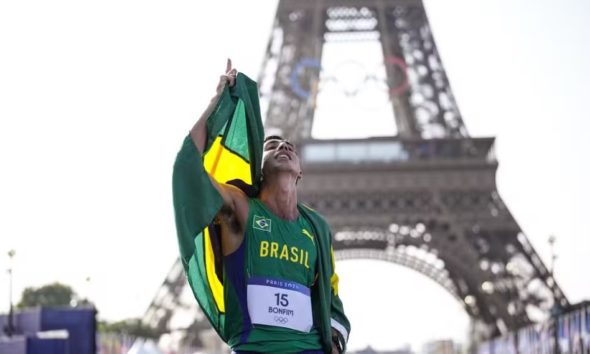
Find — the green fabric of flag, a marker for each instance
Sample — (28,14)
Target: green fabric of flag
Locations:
(233,154)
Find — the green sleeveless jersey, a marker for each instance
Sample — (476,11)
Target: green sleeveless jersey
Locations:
(268,283)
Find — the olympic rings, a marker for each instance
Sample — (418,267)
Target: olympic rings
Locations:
(281,320)
(312,63)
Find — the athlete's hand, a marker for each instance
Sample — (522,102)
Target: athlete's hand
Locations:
(334,349)
(229,78)
(335,339)
(334,346)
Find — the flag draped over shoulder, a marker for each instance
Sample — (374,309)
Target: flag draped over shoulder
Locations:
(232,154)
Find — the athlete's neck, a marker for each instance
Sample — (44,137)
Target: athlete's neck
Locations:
(280,196)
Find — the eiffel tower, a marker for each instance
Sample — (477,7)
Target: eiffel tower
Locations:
(425,198)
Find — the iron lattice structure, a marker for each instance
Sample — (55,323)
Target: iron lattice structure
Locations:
(425,199)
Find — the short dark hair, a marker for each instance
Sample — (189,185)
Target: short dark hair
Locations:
(280,138)
(273,137)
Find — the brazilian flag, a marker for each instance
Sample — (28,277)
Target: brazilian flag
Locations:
(233,154)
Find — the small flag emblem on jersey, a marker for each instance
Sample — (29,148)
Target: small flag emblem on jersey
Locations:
(261,223)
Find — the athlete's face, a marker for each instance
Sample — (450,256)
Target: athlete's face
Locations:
(280,155)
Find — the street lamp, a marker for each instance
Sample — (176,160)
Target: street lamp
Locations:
(10,326)
(551,241)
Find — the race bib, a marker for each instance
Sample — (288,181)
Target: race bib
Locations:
(281,303)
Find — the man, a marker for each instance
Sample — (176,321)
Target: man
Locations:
(278,292)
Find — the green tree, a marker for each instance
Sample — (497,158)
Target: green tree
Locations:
(132,327)
(51,295)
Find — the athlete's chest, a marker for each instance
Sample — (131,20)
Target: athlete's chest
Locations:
(280,248)
(281,266)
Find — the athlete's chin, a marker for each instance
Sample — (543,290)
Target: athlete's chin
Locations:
(285,166)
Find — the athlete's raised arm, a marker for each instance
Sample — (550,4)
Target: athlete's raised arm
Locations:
(199,130)
(234,213)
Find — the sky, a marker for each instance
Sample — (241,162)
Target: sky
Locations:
(96,97)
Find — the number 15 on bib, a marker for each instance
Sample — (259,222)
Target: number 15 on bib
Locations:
(281,303)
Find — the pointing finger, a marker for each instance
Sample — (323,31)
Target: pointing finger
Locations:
(228,65)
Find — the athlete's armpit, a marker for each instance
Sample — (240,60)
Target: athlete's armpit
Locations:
(232,217)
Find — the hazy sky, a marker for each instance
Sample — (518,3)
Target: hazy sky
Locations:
(96,97)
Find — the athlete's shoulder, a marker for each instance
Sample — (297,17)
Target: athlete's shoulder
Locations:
(313,215)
